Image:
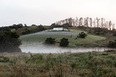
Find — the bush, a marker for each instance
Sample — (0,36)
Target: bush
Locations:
(4,59)
(9,42)
(82,35)
(64,42)
(114,33)
(73,65)
(50,41)
(112,44)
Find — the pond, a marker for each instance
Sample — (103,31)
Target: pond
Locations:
(40,48)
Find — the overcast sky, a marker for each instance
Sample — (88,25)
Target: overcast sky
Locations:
(48,11)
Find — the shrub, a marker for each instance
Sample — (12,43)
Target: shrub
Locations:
(82,35)
(9,42)
(114,33)
(72,65)
(4,59)
(112,44)
(50,41)
(64,42)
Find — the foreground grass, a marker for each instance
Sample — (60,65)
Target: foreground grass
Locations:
(90,64)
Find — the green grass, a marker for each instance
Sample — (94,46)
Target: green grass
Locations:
(90,39)
(89,64)
(77,30)
(40,38)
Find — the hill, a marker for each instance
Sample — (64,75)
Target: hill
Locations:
(90,40)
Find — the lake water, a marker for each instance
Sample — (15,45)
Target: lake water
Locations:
(35,48)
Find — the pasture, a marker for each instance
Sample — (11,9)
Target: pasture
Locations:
(41,36)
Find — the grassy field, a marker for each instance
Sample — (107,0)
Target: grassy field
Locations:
(90,40)
(90,64)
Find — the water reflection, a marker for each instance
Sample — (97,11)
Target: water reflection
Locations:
(40,48)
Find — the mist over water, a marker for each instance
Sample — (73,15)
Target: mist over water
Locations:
(40,48)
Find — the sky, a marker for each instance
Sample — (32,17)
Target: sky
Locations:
(46,12)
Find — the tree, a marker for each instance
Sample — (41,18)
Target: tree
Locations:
(16,26)
(82,35)
(64,42)
(9,42)
(25,25)
(50,41)
(81,21)
(40,28)
(86,22)
(66,25)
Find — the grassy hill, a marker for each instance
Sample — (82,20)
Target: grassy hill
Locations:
(90,40)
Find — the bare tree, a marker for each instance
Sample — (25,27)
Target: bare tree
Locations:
(81,21)
(113,26)
(77,21)
(87,22)
(70,21)
(102,22)
(90,22)
(97,22)
(110,25)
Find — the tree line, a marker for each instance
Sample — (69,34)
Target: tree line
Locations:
(23,29)
(87,22)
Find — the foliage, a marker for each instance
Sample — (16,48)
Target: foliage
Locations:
(26,32)
(82,35)
(73,65)
(14,26)
(66,25)
(4,59)
(97,30)
(36,29)
(64,42)
(23,29)
(114,33)
(40,28)
(9,42)
(112,44)
(50,41)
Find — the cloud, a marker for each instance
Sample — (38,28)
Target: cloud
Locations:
(48,11)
